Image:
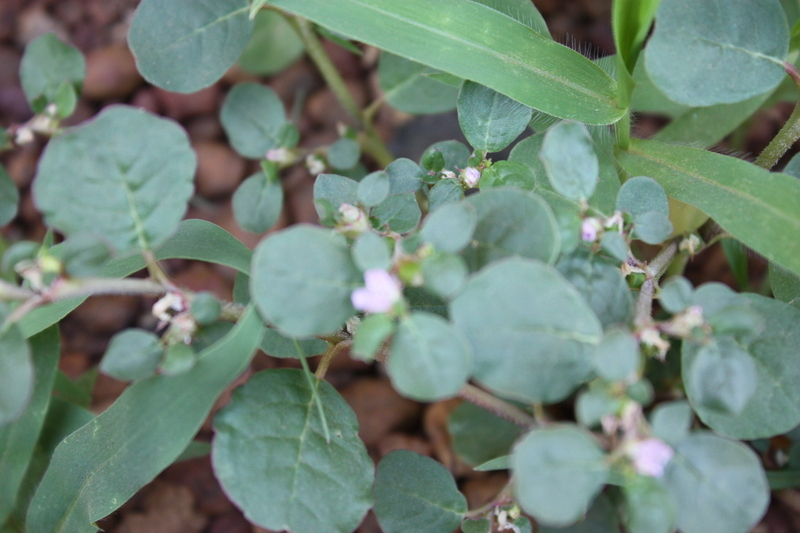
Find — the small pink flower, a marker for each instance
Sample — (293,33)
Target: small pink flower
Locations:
(382,291)
(471,176)
(650,456)
(589,228)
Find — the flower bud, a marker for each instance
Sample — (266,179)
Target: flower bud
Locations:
(282,156)
(589,228)
(353,221)
(448,174)
(314,164)
(471,176)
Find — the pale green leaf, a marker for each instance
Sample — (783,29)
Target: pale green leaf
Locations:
(479,436)
(272,459)
(399,213)
(490,121)
(456,35)
(344,153)
(521,10)
(649,507)
(672,421)
(373,189)
(186,45)
(277,345)
(16,372)
(570,160)
(407,86)
(253,117)
(444,274)
(450,228)
(258,201)
(9,198)
(531,331)
(130,179)
(46,64)
(415,493)
(273,45)
(131,354)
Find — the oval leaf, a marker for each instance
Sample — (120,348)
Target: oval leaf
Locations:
(570,160)
(273,45)
(302,279)
(532,333)
(130,178)
(490,121)
(271,457)
(16,374)
(258,201)
(9,198)
(132,354)
(253,116)
(185,45)
(450,228)
(46,65)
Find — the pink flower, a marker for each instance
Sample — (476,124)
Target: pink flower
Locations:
(589,228)
(382,291)
(650,456)
(471,176)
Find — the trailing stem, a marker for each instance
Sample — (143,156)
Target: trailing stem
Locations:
(495,405)
(654,269)
(788,134)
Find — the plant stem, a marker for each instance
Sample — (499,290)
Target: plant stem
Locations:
(329,355)
(99,286)
(654,269)
(788,134)
(495,405)
(12,292)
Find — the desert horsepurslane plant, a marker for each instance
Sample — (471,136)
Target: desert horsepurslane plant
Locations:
(513,284)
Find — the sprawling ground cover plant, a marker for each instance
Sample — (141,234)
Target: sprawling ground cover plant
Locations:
(513,284)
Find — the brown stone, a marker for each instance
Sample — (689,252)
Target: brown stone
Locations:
(380,410)
(111,73)
(147,99)
(9,66)
(13,104)
(22,165)
(182,106)
(483,489)
(232,522)
(434,422)
(346,62)
(167,509)
(107,314)
(198,476)
(219,169)
(402,441)
(298,79)
(325,109)
(298,186)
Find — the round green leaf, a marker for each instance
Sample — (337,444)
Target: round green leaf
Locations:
(16,374)
(652,227)
(370,250)
(614,244)
(416,493)
(512,222)
(718,484)
(408,87)
(372,332)
(273,45)
(531,331)
(649,507)
(508,173)
(404,176)
(444,274)
(132,354)
(600,518)
(9,198)
(481,525)
(257,202)
(722,377)
(455,154)
(272,459)
(400,213)
(672,421)
(205,308)
(479,436)
(178,359)
(277,345)
(617,358)
(430,359)
(443,193)
(675,294)
(570,160)
(185,45)
(301,280)
(373,189)
(490,120)
(774,407)
(450,228)
(332,190)
(641,195)
(705,52)
(130,179)
(46,64)
(253,118)
(344,153)
(601,283)
(558,471)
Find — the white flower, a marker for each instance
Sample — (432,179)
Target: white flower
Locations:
(448,174)
(353,221)
(650,336)
(589,228)
(690,244)
(315,164)
(471,176)
(650,456)
(381,292)
(168,306)
(282,156)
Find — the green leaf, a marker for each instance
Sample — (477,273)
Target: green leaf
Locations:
(178,360)
(601,284)
(774,407)
(444,192)
(538,353)
(490,120)
(416,493)
(500,463)
(16,372)
(521,10)
(97,468)
(479,436)
(205,308)
(675,294)
(370,336)
(302,279)
(406,176)
(271,457)
(718,484)
(757,207)
(273,45)
(595,403)
(371,251)
(570,160)
(785,285)
(672,421)
(258,201)
(455,154)
(508,173)
(131,177)
(450,228)
(647,202)
(721,377)
(538,73)
(132,354)
(617,358)
(632,21)
(649,507)
(344,153)
(18,439)
(336,190)
(558,471)
(66,99)
(407,86)
(480,525)
(700,53)
(430,359)
(253,117)
(600,518)
(277,345)
(399,213)
(444,274)
(614,244)
(373,189)
(512,223)
(9,198)
(46,64)
(184,45)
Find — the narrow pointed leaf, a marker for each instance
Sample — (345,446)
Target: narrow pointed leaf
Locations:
(473,41)
(757,207)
